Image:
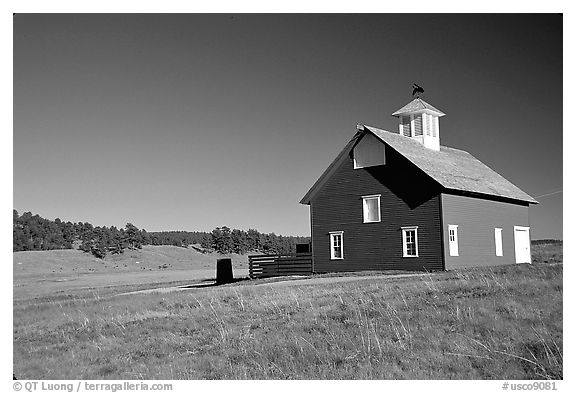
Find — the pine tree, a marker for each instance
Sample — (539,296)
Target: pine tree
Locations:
(239,241)
(133,236)
(222,240)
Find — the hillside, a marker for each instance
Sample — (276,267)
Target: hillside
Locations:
(148,258)
(43,272)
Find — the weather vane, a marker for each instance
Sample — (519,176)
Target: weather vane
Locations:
(417,90)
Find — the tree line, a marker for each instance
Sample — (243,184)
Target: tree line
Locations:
(32,232)
(225,241)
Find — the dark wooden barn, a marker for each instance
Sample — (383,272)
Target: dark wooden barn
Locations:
(401,201)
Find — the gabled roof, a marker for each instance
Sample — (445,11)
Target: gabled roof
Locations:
(416,105)
(331,168)
(453,169)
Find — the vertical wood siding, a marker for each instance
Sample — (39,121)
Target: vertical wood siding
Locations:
(408,198)
(476,219)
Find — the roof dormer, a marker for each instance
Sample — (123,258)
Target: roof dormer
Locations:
(419,120)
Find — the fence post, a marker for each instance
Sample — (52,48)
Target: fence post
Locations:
(277,259)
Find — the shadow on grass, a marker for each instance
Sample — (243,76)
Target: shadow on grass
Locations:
(210,282)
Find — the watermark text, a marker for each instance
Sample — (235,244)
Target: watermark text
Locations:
(529,386)
(83,386)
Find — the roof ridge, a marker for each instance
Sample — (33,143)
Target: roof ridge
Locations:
(395,133)
(454,148)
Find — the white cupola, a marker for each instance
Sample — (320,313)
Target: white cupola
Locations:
(419,120)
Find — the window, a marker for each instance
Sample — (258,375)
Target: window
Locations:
(337,245)
(405,121)
(453,240)
(368,152)
(371,208)
(498,241)
(418,125)
(410,241)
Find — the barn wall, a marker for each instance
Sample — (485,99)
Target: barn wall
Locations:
(476,219)
(408,198)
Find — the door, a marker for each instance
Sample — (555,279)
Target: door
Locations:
(453,240)
(522,244)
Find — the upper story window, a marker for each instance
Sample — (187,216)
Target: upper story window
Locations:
(368,152)
(430,124)
(371,208)
(417,125)
(405,126)
(337,245)
(410,241)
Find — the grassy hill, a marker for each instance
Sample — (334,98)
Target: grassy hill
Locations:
(40,273)
(148,258)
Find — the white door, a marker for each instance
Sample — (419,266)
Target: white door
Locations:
(522,244)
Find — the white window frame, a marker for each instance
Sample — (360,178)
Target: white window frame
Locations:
(365,208)
(405,230)
(453,251)
(332,250)
(498,242)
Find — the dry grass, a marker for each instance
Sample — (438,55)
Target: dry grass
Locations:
(489,323)
(547,252)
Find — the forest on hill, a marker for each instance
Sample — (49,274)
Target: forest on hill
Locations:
(32,232)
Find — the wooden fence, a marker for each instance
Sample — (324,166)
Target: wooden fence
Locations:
(261,266)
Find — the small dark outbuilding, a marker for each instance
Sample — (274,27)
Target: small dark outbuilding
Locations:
(402,201)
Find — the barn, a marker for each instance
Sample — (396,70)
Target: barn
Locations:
(401,201)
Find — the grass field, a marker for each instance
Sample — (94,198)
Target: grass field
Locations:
(489,323)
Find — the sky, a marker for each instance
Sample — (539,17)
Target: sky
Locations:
(193,121)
